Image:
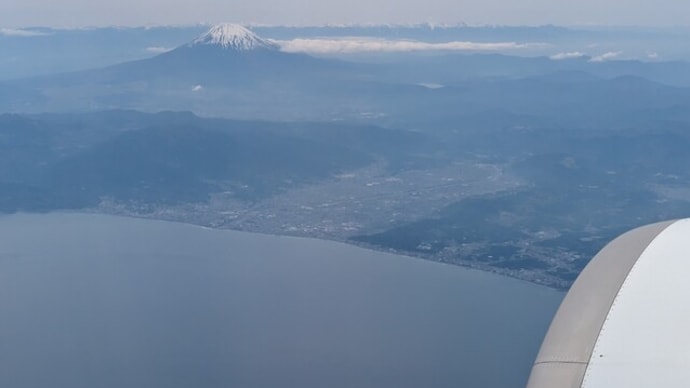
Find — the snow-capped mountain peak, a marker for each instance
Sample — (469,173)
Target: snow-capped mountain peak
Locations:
(233,36)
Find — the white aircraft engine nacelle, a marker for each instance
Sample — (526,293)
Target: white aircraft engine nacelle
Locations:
(625,323)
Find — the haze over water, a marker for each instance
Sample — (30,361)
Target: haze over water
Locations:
(92,300)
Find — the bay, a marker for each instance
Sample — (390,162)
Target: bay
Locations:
(102,301)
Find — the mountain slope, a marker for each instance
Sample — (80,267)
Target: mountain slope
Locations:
(225,54)
(228,71)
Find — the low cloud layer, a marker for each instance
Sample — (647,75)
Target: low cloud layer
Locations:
(356,45)
(157,50)
(20,33)
(569,55)
(609,56)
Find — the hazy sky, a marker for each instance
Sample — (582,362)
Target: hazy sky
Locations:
(77,13)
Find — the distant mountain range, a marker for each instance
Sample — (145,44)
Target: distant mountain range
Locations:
(74,161)
(39,51)
(232,72)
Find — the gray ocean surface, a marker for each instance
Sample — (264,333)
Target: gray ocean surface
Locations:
(102,301)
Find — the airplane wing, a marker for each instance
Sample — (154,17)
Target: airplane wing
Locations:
(626,320)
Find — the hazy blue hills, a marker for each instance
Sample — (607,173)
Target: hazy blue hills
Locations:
(257,79)
(175,157)
(270,84)
(186,163)
(452,68)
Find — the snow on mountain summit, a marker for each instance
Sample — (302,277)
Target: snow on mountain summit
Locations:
(233,36)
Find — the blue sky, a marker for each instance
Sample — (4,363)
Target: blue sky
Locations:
(80,13)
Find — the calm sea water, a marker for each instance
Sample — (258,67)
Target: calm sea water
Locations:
(102,301)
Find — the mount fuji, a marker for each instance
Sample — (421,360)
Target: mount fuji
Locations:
(228,70)
(230,54)
(227,54)
(233,37)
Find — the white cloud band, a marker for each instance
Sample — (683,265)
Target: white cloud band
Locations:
(21,33)
(569,55)
(609,56)
(157,50)
(355,45)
